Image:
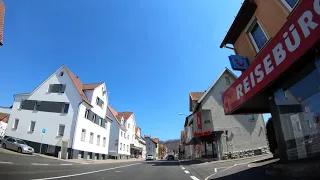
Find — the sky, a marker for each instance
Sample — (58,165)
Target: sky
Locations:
(150,53)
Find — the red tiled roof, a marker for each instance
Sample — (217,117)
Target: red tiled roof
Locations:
(115,114)
(156,140)
(195,96)
(137,128)
(79,85)
(3,117)
(91,86)
(125,115)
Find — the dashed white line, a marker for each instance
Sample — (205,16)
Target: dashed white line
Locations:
(215,170)
(187,172)
(66,164)
(39,164)
(3,162)
(85,163)
(194,178)
(90,172)
(183,168)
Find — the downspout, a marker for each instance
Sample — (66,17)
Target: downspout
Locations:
(74,129)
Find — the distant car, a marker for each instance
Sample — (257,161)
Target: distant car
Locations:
(170,157)
(150,158)
(16,145)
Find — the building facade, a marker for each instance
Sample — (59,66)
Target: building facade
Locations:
(216,134)
(281,40)
(64,115)
(152,146)
(139,144)
(119,141)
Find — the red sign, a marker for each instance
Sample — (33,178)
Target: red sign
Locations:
(299,34)
(199,120)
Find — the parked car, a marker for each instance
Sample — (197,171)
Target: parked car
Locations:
(170,157)
(16,145)
(150,158)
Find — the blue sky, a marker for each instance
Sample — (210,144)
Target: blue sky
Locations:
(150,53)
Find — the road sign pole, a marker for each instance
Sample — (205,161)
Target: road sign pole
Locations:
(41,143)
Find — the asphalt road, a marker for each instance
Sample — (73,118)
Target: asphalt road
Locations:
(138,170)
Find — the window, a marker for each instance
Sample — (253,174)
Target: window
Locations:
(99,102)
(124,147)
(121,133)
(21,104)
(15,124)
(257,35)
(94,117)
(98,140)
(91,138)
(57,88)
(120,146)
(290,4)
(32,126)
(86,114)
(227,80)
(65,108)
(61,73)
(128,148)
(149,148)
(251,117)
(100,121)
(36,105)
(61,130)
(128,125)
(104,142)
(83,135)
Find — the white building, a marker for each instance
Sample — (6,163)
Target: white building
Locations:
(119,144)
(152,146)
(140,144)
(71,113)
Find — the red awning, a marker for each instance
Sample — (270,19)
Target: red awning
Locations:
(299,34)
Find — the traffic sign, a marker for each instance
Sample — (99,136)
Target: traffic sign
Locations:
(43,131)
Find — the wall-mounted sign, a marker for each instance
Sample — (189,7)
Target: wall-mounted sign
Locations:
(239,63)
(279,96)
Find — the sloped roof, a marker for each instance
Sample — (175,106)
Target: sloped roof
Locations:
(125,115)
(91,86)
(3,117)
(136,130)
(195,96)
(214,83)
(115,115)
(156,140)
(79,85)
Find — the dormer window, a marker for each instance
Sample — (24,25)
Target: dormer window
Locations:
(57,88)
(99,102)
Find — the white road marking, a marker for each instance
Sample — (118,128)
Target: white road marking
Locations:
(187,172)
(219,172)
(194,178)
(66,164)
(85,163)
(118,171)
(39,164)
(90,172)
(215,170)
(183,168)
(3,162)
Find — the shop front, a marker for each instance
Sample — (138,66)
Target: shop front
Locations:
(284,80)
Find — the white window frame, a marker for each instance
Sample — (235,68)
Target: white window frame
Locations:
(91,138)
(98,140)
(15,124)
(104,141)
(58,133)
(286,4)
(83,135)
(86,114)
(252,24)
(32,130)
(120,146)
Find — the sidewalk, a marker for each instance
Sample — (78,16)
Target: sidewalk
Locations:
(90,161)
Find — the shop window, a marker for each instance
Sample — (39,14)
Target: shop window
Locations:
(257,35)
(290,4)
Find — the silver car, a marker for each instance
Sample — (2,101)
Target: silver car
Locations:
(16,145)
